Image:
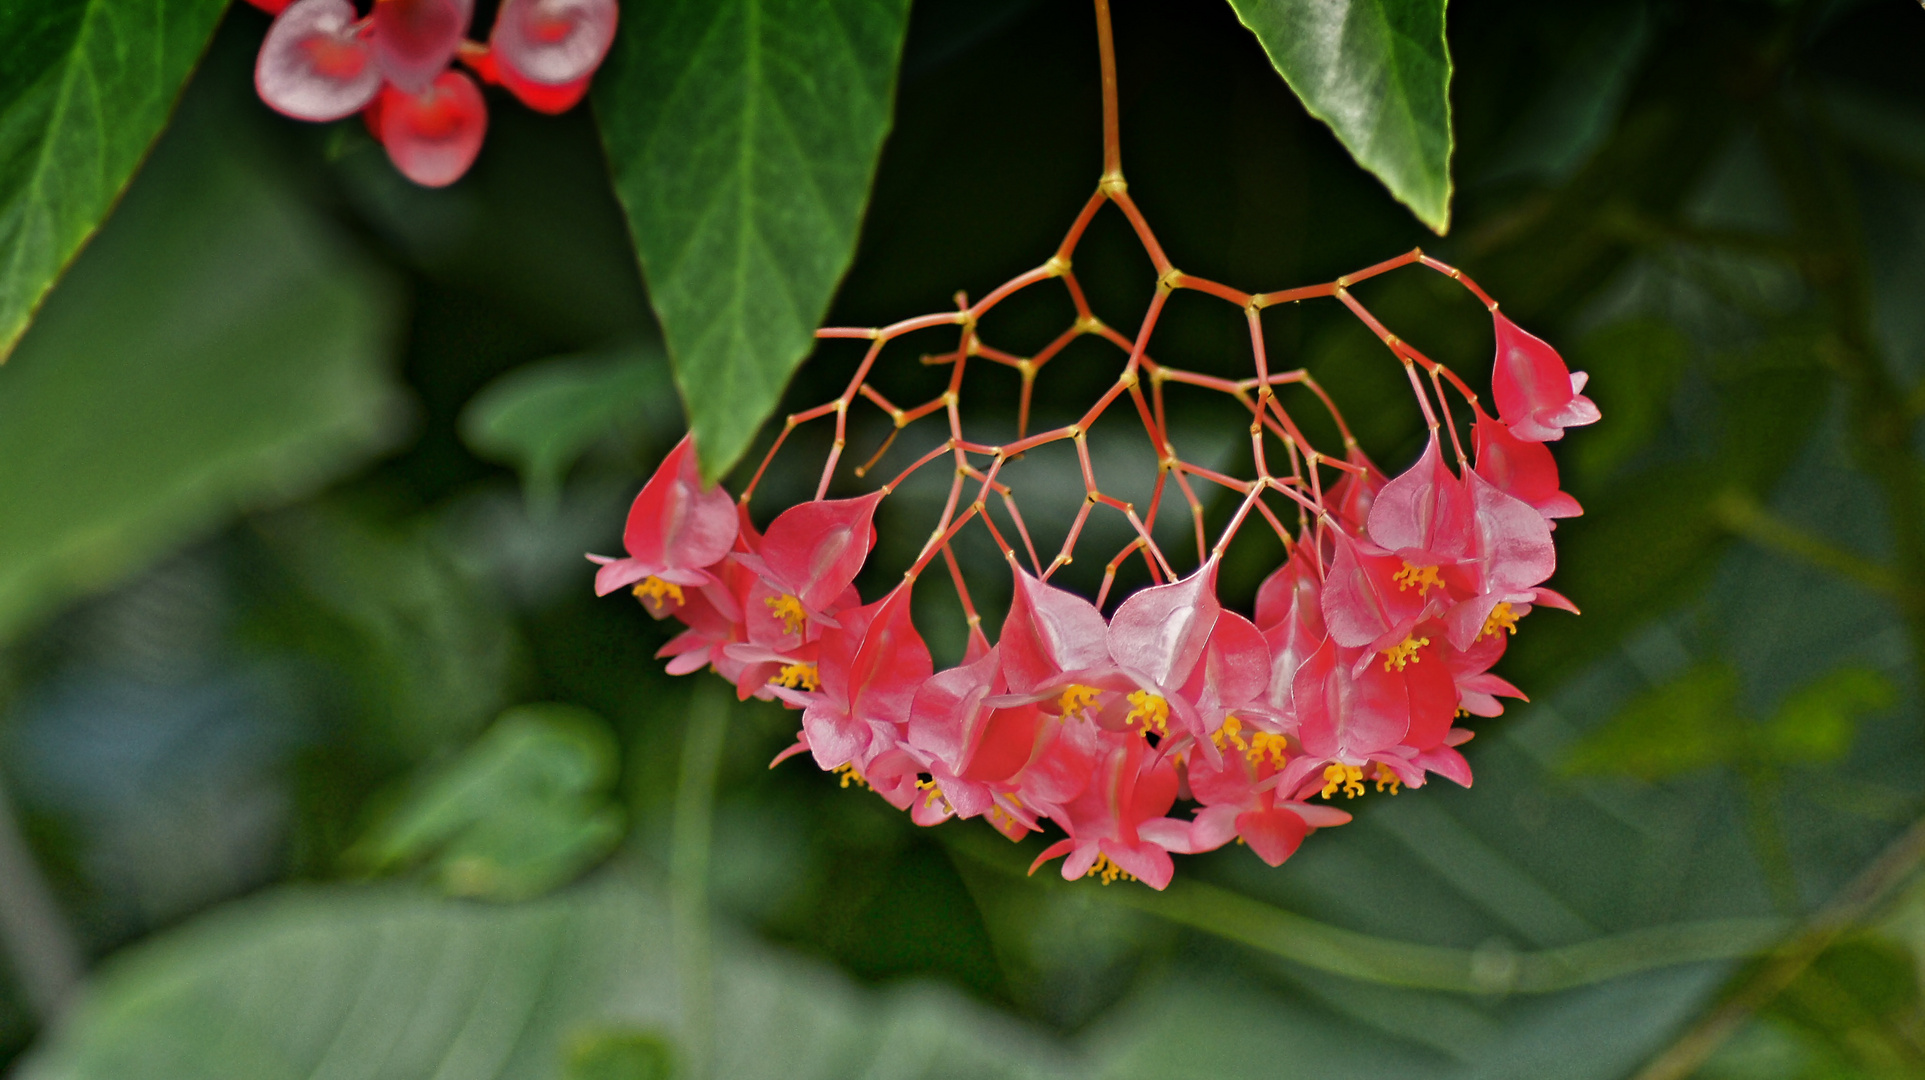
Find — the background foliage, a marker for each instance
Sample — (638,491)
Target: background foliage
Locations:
(321,759)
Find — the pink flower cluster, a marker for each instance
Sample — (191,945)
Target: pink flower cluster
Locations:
(322,60)
(1376,635)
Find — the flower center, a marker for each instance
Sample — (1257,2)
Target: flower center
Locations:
(935,793)
(1107,870)
(1387,777)
(798,677)
(1151,709)
(1348,778)
(847,771)
(1077,700)
(1423,577)
(1403,653)
(1502,618)
(655,590)
(789,610)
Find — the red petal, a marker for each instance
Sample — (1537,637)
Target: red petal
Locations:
(312,65)
(415,39)
(815,549)
(1424,508)
(433,138)
(1533,387)
(675,524)
(553,42)
(1161,632)
(1049,631)
(1272,834)
(1521,469)
(1346,716)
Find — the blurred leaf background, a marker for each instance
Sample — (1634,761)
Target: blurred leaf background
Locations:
(320,759)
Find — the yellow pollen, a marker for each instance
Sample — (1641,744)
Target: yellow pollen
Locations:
(1348,778)
(789,610)
(1397,656)
(797,677)
(1421,576)
(1502,618)
(935,793)
(1076,700)
(849,775)
(654,588)
(1275,747)
(1232,732)
(1385,776)
(1151,709)
(1107,870)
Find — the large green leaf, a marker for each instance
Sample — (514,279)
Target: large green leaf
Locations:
(743,135)
(385,983)
(85,87)
(1378,72)
(214,350)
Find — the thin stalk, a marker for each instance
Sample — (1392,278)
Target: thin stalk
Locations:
(39,945)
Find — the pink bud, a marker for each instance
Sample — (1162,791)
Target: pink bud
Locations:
(1536,394)
(433,137)
(552,42)
(415,39)
(314,65)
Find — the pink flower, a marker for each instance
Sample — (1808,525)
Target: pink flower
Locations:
(675,532)
(1536,394)
(434,135)
(1520,469)
(315,64)
(546,51)
(868,671)
(1116,826)
(812,554)
(1236,803)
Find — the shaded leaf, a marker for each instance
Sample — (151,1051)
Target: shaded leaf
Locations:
(527,808)
(1378,72)
(389,984)
(543,417)
(743,136)
(85,88)
(1818,720)
(619,1055)
(244,362)
(1686,724)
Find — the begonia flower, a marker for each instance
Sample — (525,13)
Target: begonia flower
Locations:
(1116,826)
(1236,804)
(433,136)
(414,40)
(1537,395)
(1523,470)
(552,43)
(868,670)
(811,553)
(315,64)
(675,532)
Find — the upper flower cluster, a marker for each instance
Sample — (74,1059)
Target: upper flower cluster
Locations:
(1378,633)
(322,60)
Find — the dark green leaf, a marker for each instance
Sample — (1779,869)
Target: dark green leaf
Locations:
(1817,721)
(1378,72)
(1686,724)
(525,809)
(543,417)
(85,87)
(743,135)
(214,350)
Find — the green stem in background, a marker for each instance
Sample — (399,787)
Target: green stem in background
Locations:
(1761,785)
(688,872)
(1306,941)
(38,943)
(1742,514)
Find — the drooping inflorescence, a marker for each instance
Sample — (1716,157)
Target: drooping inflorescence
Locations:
(323,60)
(1378,632)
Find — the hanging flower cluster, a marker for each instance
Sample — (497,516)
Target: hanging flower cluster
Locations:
(1376,635)
(322,60)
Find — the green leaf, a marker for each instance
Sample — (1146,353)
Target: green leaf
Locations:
(1686,724)
(543,417)
(85,87)
(619,1055)
(525,809)
(215,350)
(1378,72)
(1817,721)
(743,135)
(390,984)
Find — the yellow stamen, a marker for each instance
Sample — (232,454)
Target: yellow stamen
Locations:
(1275,747)
(1501,618)
(789,610)
(1151,709)
(935,793)
(797,677)
(1232,731)
(1348,778)
(1397,656)
(1077,700)
(847,771)
(654,588)
(1385,776)
(1107,870)
(1421,576)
